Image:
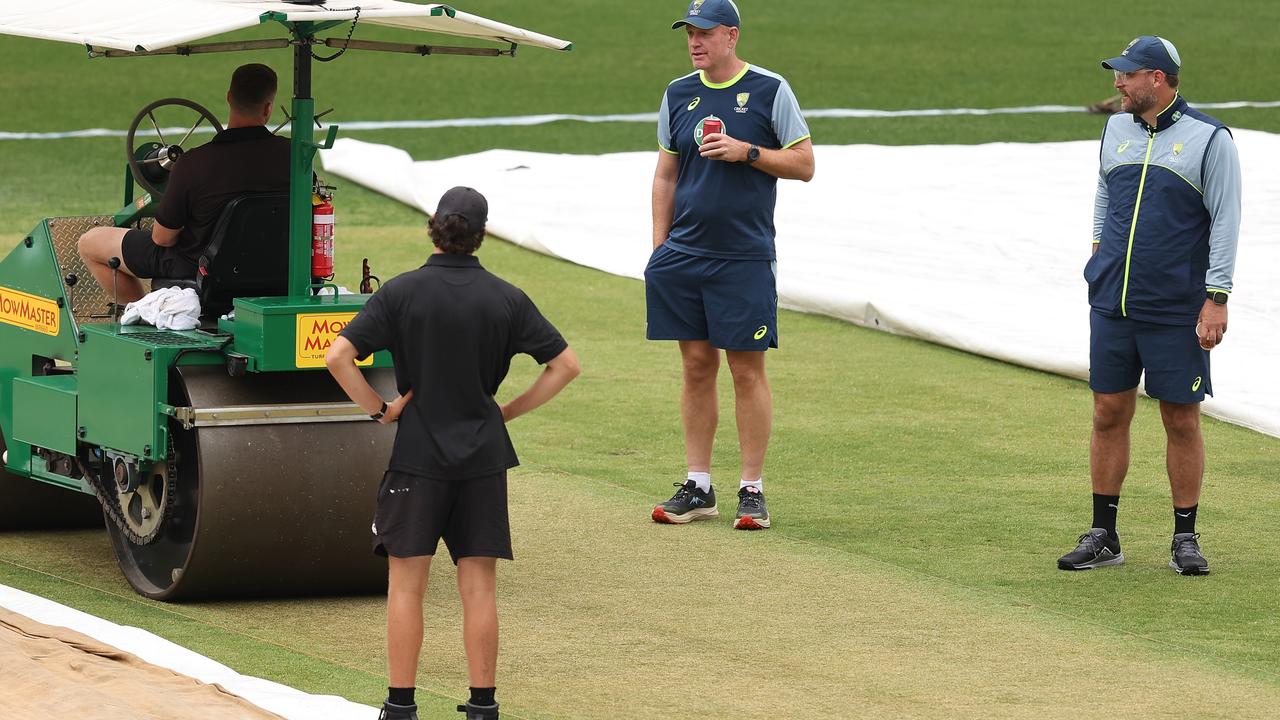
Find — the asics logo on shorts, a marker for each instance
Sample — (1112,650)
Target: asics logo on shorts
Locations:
(764,330)
(1196,385)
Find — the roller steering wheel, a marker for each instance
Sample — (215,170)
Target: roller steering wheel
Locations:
(150,163)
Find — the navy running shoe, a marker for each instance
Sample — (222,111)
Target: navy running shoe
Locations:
(1096,549)
(689,503)
(1185,556)
(752,512)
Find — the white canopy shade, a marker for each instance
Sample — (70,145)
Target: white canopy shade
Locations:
(144,25)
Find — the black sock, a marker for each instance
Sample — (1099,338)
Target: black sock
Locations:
(400,696)
(483,696)
(1104,513)
(1184,519)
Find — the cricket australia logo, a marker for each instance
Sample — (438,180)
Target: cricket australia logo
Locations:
(742,103)
(696,8)
(706,126)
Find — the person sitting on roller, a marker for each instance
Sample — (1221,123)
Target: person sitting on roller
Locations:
(243,159)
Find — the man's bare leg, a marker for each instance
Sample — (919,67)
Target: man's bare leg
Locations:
(699,406)
(97,247)
(478,588)
(1185,451)
(1109,443)
(753,403)
(406,588)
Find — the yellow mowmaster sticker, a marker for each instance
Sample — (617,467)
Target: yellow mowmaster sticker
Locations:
(316,332)
(29,312)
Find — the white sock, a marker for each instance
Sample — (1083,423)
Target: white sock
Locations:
(758,484)
(702,480)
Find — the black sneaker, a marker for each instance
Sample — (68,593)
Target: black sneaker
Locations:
(689,503)
(752,513)
(479,712)
(392,711)
(1185,555)
(1096,549)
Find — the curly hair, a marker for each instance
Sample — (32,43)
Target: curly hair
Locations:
(453,235)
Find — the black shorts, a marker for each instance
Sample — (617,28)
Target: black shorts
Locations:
(415,512)
(145,259)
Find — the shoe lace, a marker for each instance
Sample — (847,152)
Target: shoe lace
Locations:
(750,501)
(1187,544)
(685,490)
(1092,543)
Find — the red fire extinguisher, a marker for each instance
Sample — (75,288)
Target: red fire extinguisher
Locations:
(322,233)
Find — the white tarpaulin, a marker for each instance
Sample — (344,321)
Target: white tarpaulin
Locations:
(155,24)
(979,247)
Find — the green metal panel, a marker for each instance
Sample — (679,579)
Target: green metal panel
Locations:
(301,156)
(124,384)
(292,333)
(31,285)
(44,412)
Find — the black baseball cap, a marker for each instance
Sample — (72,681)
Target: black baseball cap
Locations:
(466,203)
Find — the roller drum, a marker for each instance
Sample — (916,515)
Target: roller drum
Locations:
(266,510)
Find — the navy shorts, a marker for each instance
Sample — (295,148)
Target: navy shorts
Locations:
(145,259)
(414,513)
(733,304)
(1120,350)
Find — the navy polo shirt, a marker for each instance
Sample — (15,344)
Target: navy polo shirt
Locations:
(725,210)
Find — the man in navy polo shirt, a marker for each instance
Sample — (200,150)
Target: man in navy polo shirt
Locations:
(726,133)
(1165,225)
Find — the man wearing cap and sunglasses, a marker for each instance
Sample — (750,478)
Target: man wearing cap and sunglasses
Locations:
(452,328)
(1165,225)
(726,133)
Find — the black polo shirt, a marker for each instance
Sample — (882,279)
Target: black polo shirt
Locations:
(452,328)
(238,161)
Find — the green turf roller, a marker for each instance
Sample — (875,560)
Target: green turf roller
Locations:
(264,510)
(27,505)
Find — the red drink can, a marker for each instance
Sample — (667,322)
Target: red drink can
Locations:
(711,125)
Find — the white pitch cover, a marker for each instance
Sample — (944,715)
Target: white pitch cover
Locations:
(978,247)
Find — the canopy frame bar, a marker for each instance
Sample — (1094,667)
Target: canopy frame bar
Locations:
(275,44)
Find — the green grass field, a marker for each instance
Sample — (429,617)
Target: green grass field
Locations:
(920,495)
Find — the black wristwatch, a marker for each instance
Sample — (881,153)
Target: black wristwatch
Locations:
(753,154)
(378,415)
(1219,297)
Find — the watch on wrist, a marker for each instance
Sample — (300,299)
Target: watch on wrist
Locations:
(1219,297)
(383,411)
(753,154)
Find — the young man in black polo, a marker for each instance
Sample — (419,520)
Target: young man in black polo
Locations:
(243,159)
(452,329)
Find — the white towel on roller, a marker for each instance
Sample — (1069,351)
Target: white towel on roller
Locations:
(168,309)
